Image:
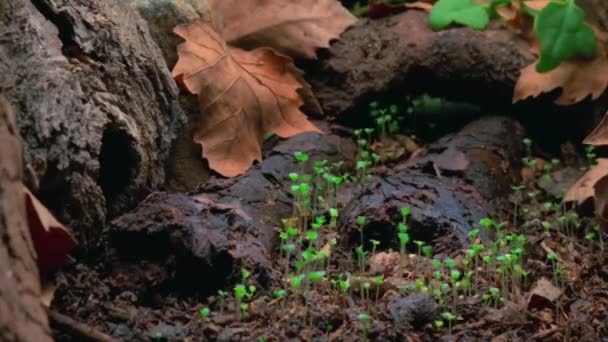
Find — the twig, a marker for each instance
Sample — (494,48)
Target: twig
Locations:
(544,333)
(86,332)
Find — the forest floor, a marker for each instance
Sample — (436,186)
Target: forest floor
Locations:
(533,270)
(369,232)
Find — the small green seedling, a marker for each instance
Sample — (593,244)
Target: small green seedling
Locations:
(316,276)
(361,222)
(294,177)
(450,317)
(405,213)
(427,251)
(278,294)
(301,157)
(438,324)
(375,244)
(364,325)
(378,281)
(333,217)
(361,257)
(344,283)
(204,314)
(419,244)
(222,295)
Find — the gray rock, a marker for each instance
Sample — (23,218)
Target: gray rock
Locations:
(416,309)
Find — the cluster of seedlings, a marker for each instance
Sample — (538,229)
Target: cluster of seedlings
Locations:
(493,269)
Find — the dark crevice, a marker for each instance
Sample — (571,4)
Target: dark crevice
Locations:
(61,20)
(117,162)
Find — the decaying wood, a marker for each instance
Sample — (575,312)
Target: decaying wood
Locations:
(400,54)
(97,106)
(460,179)
(231,223)
(22,316)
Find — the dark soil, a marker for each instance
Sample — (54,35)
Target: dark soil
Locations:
(161,266)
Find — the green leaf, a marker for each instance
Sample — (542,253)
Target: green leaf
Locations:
(563,34)
(463,12)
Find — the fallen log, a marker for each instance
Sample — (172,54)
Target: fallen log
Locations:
(458,180)
(230,223)
(96,105)
(400,54)
(233,223)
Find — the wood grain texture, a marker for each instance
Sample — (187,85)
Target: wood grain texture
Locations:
(22,316)
(96,104)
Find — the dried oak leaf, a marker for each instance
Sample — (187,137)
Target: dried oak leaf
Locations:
(295,28)
(52,241)
(583,189)
(243,96)
(577,79)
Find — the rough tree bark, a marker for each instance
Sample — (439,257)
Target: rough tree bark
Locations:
(22,317)
(97,106)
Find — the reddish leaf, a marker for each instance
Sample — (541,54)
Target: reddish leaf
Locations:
(52,241)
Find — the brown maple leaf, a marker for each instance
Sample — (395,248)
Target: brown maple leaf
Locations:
(593,184)
(295,28)
(577,79)
(243,96)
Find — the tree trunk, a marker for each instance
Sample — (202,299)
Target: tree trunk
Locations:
(22,317)
(96,103)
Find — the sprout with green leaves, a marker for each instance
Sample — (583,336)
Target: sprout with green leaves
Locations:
(278,294)
(427,251)
(364,325)
(242,293)
(375,244)
(361,222)
(492,296)
(204,314)
(419,244)
(301,157)
(361,257)
(333,217)
(378,281)
(450,317)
